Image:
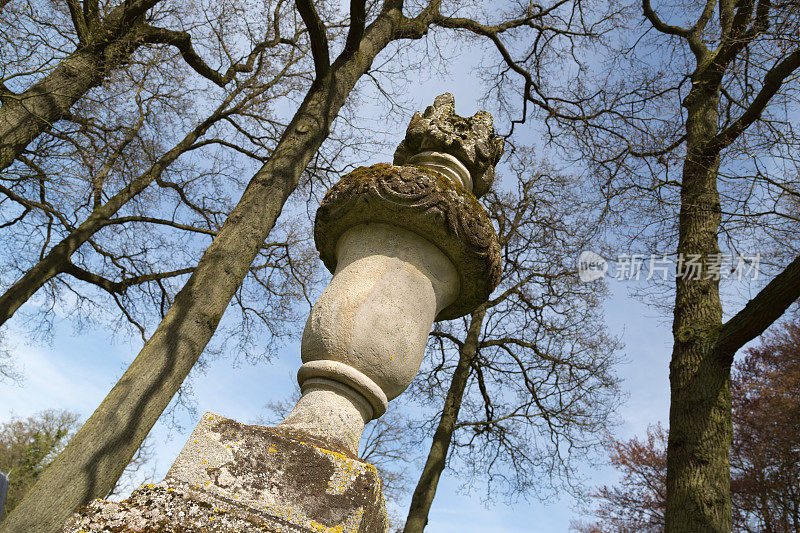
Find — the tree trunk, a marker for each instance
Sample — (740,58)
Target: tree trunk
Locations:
(700,432)
(95,458)
(24,116)
(425,491)
(58,257)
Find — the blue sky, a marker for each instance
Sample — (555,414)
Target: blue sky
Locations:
(76,371)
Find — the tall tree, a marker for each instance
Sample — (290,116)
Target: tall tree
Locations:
(106,213)
(765,456)
(530,372)
(686,116)
(101,448)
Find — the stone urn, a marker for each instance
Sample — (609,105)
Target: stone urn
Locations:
(408,244)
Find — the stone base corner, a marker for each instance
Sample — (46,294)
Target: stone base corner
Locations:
(234,477)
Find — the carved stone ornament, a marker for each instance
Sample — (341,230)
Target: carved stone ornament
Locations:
(426,203)
(470,140)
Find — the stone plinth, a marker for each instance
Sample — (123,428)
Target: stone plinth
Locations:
(234,477)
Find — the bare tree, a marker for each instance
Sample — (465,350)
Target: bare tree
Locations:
(533,382)
(688,122)
(81,210)
(88,41)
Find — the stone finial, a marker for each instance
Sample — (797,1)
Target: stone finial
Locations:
(472,141)
(407,245)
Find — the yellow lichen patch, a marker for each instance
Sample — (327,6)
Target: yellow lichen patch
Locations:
(349,525)
(345,471)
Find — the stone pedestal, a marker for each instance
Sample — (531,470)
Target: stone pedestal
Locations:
(234,477)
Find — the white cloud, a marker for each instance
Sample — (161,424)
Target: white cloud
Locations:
(53,380)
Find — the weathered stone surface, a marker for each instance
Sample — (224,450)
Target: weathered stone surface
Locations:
(470,140)
(424,202)
(369,329)
(169,506)
(235,477)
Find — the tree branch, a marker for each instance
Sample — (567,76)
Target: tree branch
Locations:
(705,17)
(760,312)
(318,37)
(493,34)
(452,338)
(78,21)
(358,19)
(91,13)
(738,35)
(773,80)
(183,42)
(659,24)
(160,221)
(119,287)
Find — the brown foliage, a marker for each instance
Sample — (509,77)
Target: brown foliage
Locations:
(638,502)
(765,457)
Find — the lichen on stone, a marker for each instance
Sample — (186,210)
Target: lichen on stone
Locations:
(300,487)
(471,140)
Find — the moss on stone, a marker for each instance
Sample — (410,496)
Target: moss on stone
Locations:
(425,202)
